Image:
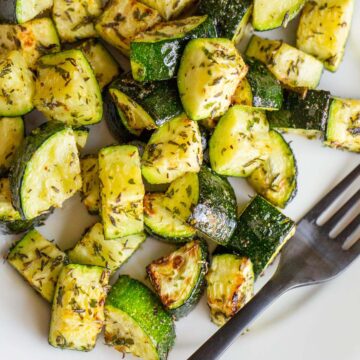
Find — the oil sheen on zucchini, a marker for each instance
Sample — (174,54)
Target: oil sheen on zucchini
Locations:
(46,171)
(74,19)
(169,8)
(77,315)
(12,132)
(269,15)
(17,85)
(324,29)
(122,20)
(173,150)
(209,73)
(302,114)
(90,183)
(343,126)
(262,230)
(230,285)
(136,322)
(156,53)
(121,191)
(39,261)
(67,90)
(93,249)
(276,178)
(237,144)
(230,16)
(292,67)
(179,278)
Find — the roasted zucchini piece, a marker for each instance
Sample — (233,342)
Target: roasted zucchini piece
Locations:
(75,19)
(39,261)
(209,74)
(324,29)
(12,132)
(67,90)
(102,62)
(16,84)
(121,191)
(179,278)
(93,249)
(276,178)
(292,67)
(136,322)
(173,150)
(302,114)
(20,11)
(260,89)
(46,171)
(230,16)
(262,230)
(122,20)
(156,53)
(8,38)
(230,285)
(237,145)
(269,15)
(343,126)
(77,315)
(81,136)
(37,38)
(90,183)
(169,8)
(144,106)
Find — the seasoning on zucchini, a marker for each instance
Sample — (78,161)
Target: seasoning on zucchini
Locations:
(237,144)
(90,183)
(179,278)
(136,322)
(324,29)
(81,136)
(121,191)
(230,16)
(260,89)
(261,232)
(122,20)
(77,315)
(8,38)
(74,19)
(39,261)
(46,171)
(37,38)
(269,15)
(16,84)
(20,11)
(156,53)
(343,126)
(306,115)
(169,8)
(173,150)
(276,178)
(67,90)
(292,67)
(93,249)
(144,106)
(12,132)
(102,62)
(209,73)
(230,285)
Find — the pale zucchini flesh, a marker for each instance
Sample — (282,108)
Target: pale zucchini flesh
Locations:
(90,183)
(169,8)
(7,210)
(8,38)
(81,135)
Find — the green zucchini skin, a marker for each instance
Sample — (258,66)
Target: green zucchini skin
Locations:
(8,11)
(228,16)
(160,60)
(142,305)
(20,226)
(309,113)
(214,216)
(261,232)
(25,153)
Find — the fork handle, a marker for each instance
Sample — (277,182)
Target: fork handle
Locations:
(223,338)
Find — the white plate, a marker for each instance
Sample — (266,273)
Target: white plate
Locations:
(321,322)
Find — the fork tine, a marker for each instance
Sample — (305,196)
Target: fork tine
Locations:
(335,219)
(324,203)
(350,229)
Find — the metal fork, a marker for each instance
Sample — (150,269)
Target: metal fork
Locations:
(311,257)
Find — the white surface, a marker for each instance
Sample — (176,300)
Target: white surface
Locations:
(315,323)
